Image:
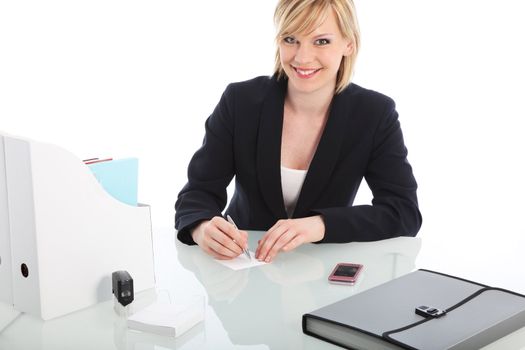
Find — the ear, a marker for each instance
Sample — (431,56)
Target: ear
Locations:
(349,48)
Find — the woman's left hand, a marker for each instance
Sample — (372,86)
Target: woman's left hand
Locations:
(288,234)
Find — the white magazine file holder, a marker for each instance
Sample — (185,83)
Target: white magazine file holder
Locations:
(67,234)
(6,289)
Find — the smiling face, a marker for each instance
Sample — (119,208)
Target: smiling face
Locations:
(311,60)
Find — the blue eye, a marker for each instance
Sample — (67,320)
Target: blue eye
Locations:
(289,40)
(322,42)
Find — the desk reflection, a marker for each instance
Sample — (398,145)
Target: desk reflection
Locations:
(265,304)
(258,308)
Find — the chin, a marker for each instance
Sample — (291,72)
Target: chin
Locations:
(307,86)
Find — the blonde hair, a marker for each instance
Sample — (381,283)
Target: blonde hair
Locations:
(302,16)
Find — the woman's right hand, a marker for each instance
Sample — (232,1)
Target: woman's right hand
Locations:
(220,239)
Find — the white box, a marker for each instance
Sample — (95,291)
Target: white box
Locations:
(67,233)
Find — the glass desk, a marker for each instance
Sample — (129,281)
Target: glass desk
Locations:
(256,308)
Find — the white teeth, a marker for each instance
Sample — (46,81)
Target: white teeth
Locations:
(305,72)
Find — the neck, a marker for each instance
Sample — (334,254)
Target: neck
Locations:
(310,104)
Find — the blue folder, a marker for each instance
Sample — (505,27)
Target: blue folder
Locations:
(119,178)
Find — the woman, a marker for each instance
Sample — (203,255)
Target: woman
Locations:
(299,143)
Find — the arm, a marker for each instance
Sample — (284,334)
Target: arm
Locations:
(210,171)
(394,210)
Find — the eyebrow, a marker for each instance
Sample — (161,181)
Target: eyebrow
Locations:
(318,36)
(324,34)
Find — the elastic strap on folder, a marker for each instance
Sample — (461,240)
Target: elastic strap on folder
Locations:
(467,299)
(454,277)
(392,340)
(453,307)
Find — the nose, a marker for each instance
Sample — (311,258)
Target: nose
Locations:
(304,54)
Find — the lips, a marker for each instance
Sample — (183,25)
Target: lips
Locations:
(305,73)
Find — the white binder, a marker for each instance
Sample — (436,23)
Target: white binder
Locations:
(6,289)
(67,233)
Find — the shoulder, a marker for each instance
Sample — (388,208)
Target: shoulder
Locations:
(255,83)
(368,100)
(251,91)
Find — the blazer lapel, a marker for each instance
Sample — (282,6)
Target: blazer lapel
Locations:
(269,148)
(326,155)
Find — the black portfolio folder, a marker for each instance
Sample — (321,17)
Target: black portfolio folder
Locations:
(421,310)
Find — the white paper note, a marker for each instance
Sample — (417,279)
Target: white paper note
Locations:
(242,262)
(169,319)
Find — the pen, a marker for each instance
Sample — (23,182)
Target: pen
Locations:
(96,160)
(230,220)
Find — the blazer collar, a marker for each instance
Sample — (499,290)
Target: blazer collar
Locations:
(269,147)
(269,151)
(325,158)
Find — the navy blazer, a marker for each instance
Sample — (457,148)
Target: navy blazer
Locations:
(362,139)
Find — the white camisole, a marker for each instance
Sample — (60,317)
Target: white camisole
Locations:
(291,182)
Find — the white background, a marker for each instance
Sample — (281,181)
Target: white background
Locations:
(139,78)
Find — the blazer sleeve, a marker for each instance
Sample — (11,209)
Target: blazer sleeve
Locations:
(394,210)
(210,171)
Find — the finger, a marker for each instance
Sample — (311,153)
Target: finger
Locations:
(268,234)
(268,242)
(244,238)
(223,238)
(216,255)
(283,240)
(244,234)
(294,243)
(207,246)
(258,248)
(221,243)
(278,224)
(223,248)
(233,233)
(263,242)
